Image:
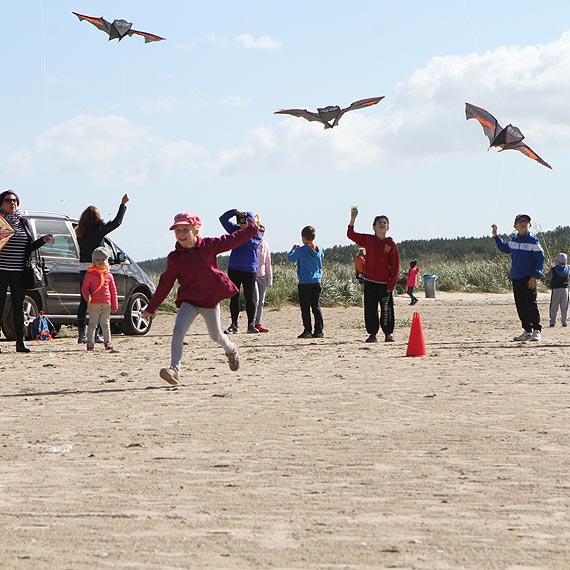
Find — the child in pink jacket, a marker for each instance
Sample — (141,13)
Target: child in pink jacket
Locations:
(100,292)
(412,281)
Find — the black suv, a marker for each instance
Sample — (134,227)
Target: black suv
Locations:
(60,299)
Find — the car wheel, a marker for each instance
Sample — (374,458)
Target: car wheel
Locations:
(133,322)
(31,311)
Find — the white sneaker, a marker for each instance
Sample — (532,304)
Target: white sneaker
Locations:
(524,336)
(536,335)
(170,375)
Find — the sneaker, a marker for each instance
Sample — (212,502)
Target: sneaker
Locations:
(371,338)
(82,339)
(524,336)
(90,346)
(414,301)
(306,334)
(319,334)
(552,325)
(169,374)
(389,338)
(261,328)
(233,361)
(251,329)
(99,339)
(109,346)
(536,335)
(232,329)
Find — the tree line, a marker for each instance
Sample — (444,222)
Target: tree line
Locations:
(435,250)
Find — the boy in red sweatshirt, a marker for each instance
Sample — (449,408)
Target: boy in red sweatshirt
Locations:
(380,275)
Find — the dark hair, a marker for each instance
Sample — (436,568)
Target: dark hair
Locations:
(7,193)
(309,233)
(90,217)
(380,218)
(414,262)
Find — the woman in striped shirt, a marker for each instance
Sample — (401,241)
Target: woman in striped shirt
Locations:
(13,257)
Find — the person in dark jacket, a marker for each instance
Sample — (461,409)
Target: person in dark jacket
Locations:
(90,232)
(242,269)
(13,258)
(558,278)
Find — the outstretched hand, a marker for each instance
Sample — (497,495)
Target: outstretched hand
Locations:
(125,199)
(353,214)
(494,230)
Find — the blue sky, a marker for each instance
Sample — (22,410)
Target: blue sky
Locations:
(187,124)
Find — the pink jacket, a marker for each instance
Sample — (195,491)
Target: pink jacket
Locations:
(412,277)
(95,292)
(264,262)
(201,282)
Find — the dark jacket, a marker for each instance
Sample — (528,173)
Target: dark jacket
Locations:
(244,257)
(93,236)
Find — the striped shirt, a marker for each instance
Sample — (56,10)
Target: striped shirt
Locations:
(13,254)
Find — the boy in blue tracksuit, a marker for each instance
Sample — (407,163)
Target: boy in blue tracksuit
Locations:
(242,269)
(527,261)
(309,258)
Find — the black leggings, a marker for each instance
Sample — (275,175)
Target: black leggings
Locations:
(246,279)
(14,280)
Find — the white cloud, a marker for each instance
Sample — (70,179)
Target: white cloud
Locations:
(158,105)
(245,41)
(262,42)
(235,101)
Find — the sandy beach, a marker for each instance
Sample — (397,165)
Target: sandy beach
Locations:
(317,454)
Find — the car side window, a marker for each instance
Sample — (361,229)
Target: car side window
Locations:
(63,244)
(117,256)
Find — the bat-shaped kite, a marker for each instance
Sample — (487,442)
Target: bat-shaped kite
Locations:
(118,29)
(505,138)
(331,113)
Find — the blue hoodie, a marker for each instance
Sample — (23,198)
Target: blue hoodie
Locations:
(244,257)
(309,264)
(527,255)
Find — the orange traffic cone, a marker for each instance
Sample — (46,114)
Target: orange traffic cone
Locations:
(416,343)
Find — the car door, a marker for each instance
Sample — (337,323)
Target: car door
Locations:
(62,262)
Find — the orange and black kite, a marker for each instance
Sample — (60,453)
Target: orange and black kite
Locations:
(508,138)
(117,29)
(327,114)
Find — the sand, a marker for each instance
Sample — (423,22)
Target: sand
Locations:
(317,454)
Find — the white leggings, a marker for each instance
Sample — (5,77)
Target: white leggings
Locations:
(184,319)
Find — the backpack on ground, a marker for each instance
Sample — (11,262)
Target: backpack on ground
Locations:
(42,328)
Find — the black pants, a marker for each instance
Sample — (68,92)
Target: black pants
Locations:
(377,294)
(310,300)
(246,279)
(410,292)
(527,307)
(14,280)
(82,309)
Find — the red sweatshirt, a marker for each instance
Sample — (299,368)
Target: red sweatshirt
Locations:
(382,257)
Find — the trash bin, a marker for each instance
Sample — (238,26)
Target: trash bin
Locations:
(429,285)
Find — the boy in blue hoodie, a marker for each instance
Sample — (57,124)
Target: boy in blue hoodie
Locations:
(309,258)
(557,278)
(527,261)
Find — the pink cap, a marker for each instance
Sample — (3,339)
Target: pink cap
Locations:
(186,219)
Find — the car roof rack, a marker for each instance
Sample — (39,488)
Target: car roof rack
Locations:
(44,214)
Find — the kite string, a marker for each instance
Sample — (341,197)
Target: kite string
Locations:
(124,109)
(46,93)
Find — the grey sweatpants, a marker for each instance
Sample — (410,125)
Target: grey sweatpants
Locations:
(185,317)
(259,291)
(559,298)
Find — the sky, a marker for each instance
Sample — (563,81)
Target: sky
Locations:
(187,124)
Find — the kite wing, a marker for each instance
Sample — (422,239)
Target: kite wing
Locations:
(361,104)
(147,37)
(300,113)
(490,125)
(530,153)
(6,232)
(100,23)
